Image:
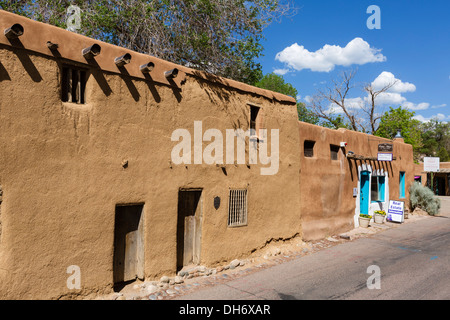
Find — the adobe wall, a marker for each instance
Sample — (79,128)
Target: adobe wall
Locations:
(62,176)
(444,166)
(326,186)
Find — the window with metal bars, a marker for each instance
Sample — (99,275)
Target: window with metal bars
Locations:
(237,208)
(73,86)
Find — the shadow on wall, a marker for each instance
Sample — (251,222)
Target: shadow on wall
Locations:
(216,92)
(99,77)
(129,82)
(4,74)
(25,60)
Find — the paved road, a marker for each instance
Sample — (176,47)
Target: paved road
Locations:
(413,260)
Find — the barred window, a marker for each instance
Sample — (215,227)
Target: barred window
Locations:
(73,85)
(237,208)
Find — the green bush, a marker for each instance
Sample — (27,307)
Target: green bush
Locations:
(424,198)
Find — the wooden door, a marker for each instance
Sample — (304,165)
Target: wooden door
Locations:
(128,243)
(189,227)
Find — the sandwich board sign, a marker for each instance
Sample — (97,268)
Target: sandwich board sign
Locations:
(396,211)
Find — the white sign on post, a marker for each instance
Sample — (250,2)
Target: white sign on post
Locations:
(396,211)
(384,157)
(431,164)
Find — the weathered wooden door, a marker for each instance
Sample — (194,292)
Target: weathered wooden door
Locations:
(128,243)
(189,227)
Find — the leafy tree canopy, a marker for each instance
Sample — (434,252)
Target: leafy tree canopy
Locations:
(276,83)
(217,36)
(401,119)
(436,139)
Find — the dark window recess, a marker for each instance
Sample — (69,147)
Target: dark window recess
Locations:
(334,151)
(253,116)
(73,87)
(308,148)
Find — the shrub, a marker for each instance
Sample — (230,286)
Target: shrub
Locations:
(424,198)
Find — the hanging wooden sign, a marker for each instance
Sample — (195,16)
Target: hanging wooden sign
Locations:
(385,147)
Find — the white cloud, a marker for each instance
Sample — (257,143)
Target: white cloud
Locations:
(389,98)
(350,104)
(394,96)
(439,116)
(386,78)
(439,106)
(328,57)
(281,72)
(413,106)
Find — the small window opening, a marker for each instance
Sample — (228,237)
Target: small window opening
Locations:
(253,118)
(334,150)
(73,87)
(377,188)
(237,208)
(308,148)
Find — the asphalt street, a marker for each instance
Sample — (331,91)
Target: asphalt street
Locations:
(409,262)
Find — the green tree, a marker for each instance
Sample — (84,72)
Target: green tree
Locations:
(336,122)
(306,115)
(401,119)
(436,139)
(276,83)
(220,37)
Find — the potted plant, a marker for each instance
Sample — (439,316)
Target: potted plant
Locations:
(379,216)
(364,220)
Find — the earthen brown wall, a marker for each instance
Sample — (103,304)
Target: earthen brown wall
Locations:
(62,176)
(326,186)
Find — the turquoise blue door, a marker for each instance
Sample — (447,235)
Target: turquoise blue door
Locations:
(402,184)
(364,192)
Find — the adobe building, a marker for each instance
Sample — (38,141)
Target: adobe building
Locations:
(117,166)
(438,182)
(87,173)
(342,176)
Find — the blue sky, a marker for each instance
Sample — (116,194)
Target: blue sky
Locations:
(412,47)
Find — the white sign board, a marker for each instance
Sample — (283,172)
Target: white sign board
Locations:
(431,164)
(396,211)
(384,157)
